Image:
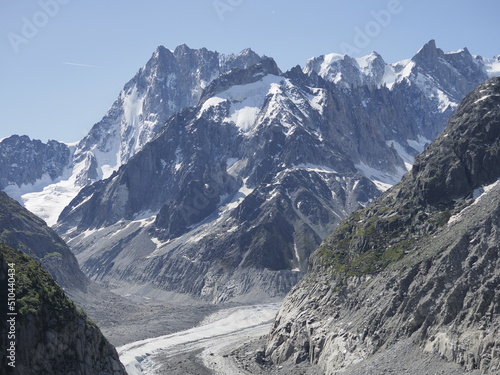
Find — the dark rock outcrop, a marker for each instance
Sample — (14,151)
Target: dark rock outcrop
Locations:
(22,230)
(50,335)
(468,151)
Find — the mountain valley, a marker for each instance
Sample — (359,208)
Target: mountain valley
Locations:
(363,193)
(264,167)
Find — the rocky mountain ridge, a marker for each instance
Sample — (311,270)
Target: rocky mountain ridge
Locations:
(241,188)
(420,263)
(25,161)
(50,336)
(175,79)
(169,82)
(22,230)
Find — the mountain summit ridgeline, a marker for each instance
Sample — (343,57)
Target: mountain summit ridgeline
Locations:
(226,168)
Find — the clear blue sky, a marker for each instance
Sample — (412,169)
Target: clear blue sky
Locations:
(46,98)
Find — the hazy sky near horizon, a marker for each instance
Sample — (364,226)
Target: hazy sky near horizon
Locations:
(64,62)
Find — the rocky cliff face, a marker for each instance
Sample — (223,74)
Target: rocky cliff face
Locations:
(24,161)
(421,262)
(22,230)
(49,336)
(240,189)
(169,82)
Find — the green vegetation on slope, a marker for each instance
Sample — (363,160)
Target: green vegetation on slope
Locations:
(36,289)
(372,239)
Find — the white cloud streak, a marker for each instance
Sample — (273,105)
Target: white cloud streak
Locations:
(83,65)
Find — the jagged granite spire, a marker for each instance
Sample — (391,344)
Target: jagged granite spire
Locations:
(168,83)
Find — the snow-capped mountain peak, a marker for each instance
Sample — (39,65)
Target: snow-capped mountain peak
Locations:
(244,101)
(169,82)
(166,84)
(176,79)
(492,66)
(348,71)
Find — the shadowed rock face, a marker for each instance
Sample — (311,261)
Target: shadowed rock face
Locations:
(421,262)
(51,335)
(22,230)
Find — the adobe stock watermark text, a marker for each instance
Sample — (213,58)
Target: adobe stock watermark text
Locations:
(224,6)
(11,315)
(31,26)
(379,20)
